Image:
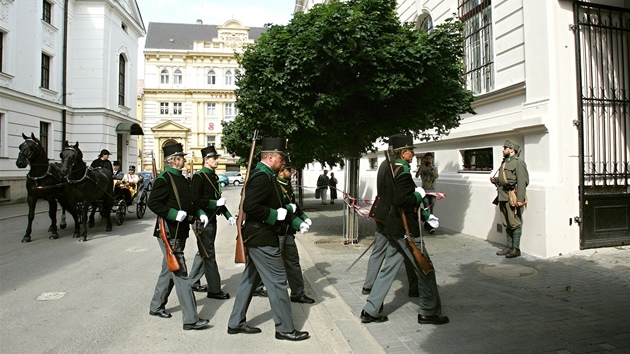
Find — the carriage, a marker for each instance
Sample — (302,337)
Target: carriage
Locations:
(123,200)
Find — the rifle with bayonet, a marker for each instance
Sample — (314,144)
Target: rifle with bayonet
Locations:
(419,257)
(171,260)
(239,256)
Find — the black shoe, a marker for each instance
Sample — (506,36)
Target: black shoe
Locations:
(303,299)
(434,319)
(504,251)
(160,313)
(219,296)
(413,293)
(432,231)
(367,318)
(294,336)
(514,252)
(260,293)
(332,202)
(197,325)
(199,288)
(245,329)
(366,291)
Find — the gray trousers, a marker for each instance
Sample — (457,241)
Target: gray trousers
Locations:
(291,259)
(376,260)
(207,266)
(264,263)
(164,285)
(429,300)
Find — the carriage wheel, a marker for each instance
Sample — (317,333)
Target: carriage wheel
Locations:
(121,210)
(141,207)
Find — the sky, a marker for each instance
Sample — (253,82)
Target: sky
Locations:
(251,13)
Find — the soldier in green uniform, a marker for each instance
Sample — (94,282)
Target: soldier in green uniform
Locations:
(512,175)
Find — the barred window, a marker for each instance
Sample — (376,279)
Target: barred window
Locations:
(478,48)
(477,159)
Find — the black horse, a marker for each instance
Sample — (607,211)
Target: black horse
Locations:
(86,185)
(44,181)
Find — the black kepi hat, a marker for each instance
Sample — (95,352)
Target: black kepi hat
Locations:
(278,145)
(104,152)
(173,149)
(209,151)
(116,163)
(401,141)
(286,164)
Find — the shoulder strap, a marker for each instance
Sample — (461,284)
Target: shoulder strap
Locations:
(176,193)
(503,170)
(208,178)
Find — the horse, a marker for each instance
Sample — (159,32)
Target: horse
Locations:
(44,181)
(85,185)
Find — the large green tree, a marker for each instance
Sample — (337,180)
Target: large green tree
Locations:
(338,78)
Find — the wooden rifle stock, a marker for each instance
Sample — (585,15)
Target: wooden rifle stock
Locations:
(171,260)
(425,266)
(239,254)
(198,230)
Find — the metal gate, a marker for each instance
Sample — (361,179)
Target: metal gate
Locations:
(602,35)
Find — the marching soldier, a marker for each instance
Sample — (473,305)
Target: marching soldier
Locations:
(405,198)
(171,199)
(513,176)
(266,219)
(206,192)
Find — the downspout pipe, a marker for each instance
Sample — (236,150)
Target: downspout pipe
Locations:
(64,74)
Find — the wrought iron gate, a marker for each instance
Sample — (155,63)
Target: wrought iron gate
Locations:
(602,35)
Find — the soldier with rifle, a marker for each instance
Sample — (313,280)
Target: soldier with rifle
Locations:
(266,218)
(402,229)
(206,192)
(172,202)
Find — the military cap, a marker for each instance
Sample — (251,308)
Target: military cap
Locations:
(173,149)
(401,141)
(278,145)
(209,151)
(116,163)
(286,164)
(512,145)
(104,152)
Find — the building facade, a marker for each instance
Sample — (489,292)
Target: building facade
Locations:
(67,73)
(189,81)
(554,77)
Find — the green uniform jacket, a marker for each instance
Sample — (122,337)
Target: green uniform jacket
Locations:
(403,195)
(517,177)
(206,190)
(296,217)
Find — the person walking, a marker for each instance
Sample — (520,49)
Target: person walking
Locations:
(266,219)
(428,174)
(322,185)
(171,200)
(206,192)
(405,198)
(512,176)
(333,187)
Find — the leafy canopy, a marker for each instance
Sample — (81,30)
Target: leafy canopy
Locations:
(338,78)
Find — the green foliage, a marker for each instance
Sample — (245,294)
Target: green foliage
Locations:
(338,78)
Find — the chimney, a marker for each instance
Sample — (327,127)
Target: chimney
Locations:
(199,22)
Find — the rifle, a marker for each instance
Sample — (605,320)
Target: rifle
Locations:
(153,167)
(418,256)
(239,255)
(198,230)
(173,265)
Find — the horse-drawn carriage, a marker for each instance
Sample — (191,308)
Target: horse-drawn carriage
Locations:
(126,195)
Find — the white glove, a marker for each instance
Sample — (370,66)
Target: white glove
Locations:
(303,227)
(282,214)
(204,219)
(181,215)
(421,191)
(308,221)
(221,202)
(293,207)
(232,221)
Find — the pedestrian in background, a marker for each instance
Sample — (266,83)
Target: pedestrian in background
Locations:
(322,185)
(428,174)
(102,161)
(171,199)
(512,176)
(333,188)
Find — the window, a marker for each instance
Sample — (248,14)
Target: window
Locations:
(45,79)
(177,77)
(228,77)
(177,108)
(47,12)
(373,163)
(123,26)
(477,159)
(121,80)
(43,135)
(212,77)
(478,48)
(1,50)
(211,109)
(211,140)
(3,139)
(164,76)
(424,22)
(163,107)
(229,110)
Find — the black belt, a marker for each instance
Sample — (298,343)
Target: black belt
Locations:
(257,224)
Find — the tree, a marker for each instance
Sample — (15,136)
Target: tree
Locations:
(338,78)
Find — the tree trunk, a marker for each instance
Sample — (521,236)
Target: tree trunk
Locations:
(350,220)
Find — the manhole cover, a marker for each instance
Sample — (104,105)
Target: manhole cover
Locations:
(507,270)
